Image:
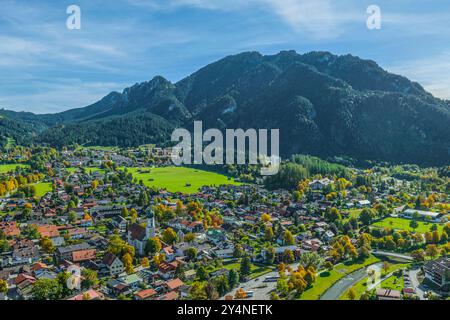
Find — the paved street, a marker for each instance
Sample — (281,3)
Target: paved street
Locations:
(420,290)
(260,288)
(345,283)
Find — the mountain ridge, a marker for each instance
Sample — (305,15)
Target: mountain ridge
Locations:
(324,105)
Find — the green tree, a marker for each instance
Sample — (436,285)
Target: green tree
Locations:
(189,237)
(270,255)
(328,265)
(238,251)
(222,285)
(245,268)
(191,253)
(63,277)
(197,291)
(283,286)
(46,289)
(201,273)
(153,246)
(366,216)
(90,278)
(72,216)
(233,278)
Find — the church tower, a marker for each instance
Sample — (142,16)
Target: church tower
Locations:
(150,229)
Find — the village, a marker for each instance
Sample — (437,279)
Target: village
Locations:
(97,232)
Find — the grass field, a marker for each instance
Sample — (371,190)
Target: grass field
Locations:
(403,224)
(326,279)
(353,213)
(179,179)
(5,168)
(255,270)
(42,188)
(89,170)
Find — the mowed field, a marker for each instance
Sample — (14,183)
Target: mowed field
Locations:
(42,188)
(5,168)
(404,224)
(179,179)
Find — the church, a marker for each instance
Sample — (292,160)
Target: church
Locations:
(138,235)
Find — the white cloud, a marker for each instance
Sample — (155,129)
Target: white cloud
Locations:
(433,73)
(317,18)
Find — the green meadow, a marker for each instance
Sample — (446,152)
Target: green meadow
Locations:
(179,179)
(42,188)
(89,170)
(404,224)
(5,168)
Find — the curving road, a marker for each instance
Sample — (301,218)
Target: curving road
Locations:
(392,255)
(346,282)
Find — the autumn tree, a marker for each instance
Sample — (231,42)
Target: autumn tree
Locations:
(240,294)
(90,278)
(268,234)
(386,267)
(145,262)
(128,263)
(432,251)
(418,255)
(266,217)
(169,236)
(125,213)
(153,246)
(47,245)
(351,294)
(288,238)
(3,286)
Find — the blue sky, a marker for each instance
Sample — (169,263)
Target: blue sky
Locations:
(46,68)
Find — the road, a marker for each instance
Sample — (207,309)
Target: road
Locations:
(392,254)
(260,288)
(420,290)
(345,283)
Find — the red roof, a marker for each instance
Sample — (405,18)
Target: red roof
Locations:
(169,296)
(144,294)
(22,277)
(50,231)
(83,255)
(90,294)
(10,229)
(174,284)
(38,266)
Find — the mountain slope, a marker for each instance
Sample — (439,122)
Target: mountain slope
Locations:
(323,104)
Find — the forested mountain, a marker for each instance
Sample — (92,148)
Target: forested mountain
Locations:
(323,104)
